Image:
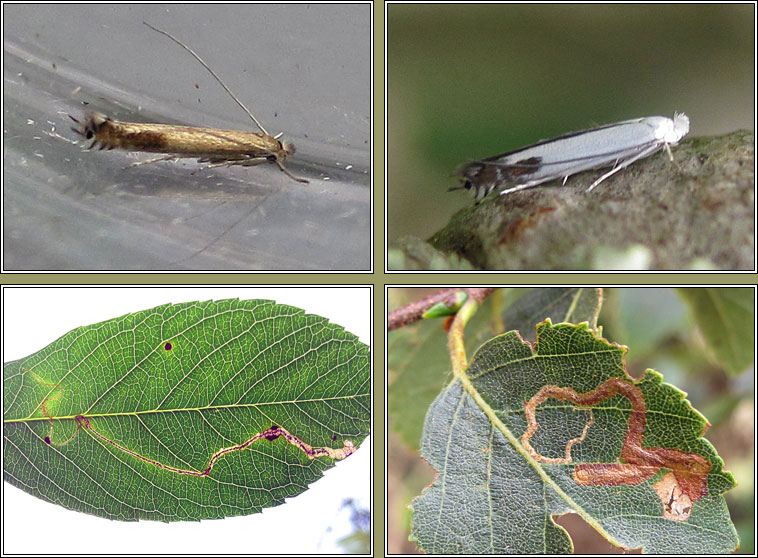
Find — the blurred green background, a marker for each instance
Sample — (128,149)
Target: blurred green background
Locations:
(472,81)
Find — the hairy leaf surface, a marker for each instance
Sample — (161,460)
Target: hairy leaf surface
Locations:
(493,495)
(420,369)
(146,416)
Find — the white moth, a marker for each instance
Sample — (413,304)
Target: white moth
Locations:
(616,145)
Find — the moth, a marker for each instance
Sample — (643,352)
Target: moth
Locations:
(208,145)
(613,145)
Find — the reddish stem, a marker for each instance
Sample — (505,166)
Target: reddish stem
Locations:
(413,312)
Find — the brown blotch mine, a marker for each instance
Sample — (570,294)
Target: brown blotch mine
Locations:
(677,506)
(686,484)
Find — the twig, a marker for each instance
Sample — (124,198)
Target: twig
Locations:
(414,311)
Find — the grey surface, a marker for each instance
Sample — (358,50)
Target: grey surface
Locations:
(303,70)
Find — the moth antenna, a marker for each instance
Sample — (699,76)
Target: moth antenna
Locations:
(218,79)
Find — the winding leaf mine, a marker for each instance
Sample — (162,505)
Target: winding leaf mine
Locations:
(688,481)
(270,434)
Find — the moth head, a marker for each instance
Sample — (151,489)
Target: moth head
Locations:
(470,175)
(288,147)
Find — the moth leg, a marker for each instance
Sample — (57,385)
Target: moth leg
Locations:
(157,159)
(288,173)
(520,187)
(671,158)
(260,160)
(213,163)
(252,161)
(668,150)
(644,153)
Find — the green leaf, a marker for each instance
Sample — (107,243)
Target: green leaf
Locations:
(720,314)
(420,365)
(442,309)
(417,365)
(560,304)
(493,495)
(139,409)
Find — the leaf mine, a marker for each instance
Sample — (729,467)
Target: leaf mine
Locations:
(689,470)
(270,434)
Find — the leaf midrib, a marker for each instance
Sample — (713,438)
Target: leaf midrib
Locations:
(469,388)
(181,410)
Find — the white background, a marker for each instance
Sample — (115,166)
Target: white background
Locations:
(309,523)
